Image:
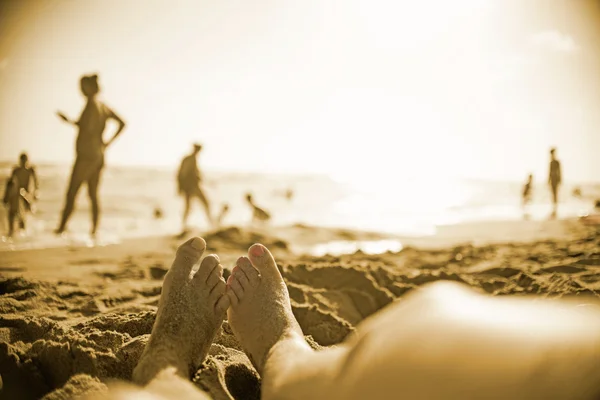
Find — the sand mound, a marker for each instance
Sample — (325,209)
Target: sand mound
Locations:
(234,238)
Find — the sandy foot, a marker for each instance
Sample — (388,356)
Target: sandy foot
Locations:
(190,311)
(260,314)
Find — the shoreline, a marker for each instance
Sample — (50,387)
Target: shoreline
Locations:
(290,242)
(305,238)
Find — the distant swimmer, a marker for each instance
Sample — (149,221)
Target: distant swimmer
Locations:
(526,195)
(289,194)
(222,214)
(189,180)
(527,189)
(19,195)
(90,149)
(554,179)
(258,214)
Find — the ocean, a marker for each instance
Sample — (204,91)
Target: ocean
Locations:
(130,196)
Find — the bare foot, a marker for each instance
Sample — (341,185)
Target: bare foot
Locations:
(261,314)
(190,311)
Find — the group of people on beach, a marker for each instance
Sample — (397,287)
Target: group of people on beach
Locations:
(22,186)
(554,182)
(87,169)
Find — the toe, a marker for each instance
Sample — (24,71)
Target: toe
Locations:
(215,276)
(218,290)
(222,304)
(187,256)
(233,300)
(234,286)
(217,293)
(241,277)
(251,273)
(262,259)
(207,266)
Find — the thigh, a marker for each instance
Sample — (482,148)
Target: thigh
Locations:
(79,174)
(199,193)
(93,179)
(446,341)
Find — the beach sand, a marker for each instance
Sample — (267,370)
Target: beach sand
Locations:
(73,319)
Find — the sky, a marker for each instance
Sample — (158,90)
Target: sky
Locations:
(356,89)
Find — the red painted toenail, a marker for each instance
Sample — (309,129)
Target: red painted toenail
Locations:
(257,250)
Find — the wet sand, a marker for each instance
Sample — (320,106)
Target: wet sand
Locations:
(73,319)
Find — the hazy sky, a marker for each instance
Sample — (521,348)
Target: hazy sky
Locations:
(351,88)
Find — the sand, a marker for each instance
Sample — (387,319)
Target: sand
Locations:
(72,320)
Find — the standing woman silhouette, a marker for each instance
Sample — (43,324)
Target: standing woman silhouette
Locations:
(90,148)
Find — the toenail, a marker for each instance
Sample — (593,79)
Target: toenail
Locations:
(216,257)
(197,243)
(257,250)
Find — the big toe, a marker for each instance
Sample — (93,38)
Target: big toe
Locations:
(262,259)
(188,254)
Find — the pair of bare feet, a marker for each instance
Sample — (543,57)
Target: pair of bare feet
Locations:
(194,302)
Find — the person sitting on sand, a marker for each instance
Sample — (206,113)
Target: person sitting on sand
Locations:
(189,179)
(258,214)
(90,148)
(442,341)
(18,195)
(222,214)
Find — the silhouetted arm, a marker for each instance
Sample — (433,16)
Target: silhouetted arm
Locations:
(67,119)
(558,173)
(114,116)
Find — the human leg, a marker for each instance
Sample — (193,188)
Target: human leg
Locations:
(78,176)
(93,184)
(205,204)
(442,341)
(167,385)
(11,222)
(554,199)
(186,208)
(21,214)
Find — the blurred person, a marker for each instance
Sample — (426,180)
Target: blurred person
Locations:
(554,179)
(526,195)
(189,180)
(527,190)
(90,149)
(289,194)
(258,214)
(19,194)
(222,214)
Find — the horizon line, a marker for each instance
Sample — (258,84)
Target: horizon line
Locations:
(163,167)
